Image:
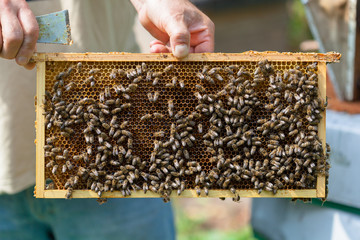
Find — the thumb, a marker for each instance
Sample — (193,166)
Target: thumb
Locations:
(179,38)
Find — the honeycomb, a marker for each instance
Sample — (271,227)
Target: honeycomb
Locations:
(164,126)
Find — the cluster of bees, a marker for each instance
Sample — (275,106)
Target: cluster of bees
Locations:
(281,149)
(259,129)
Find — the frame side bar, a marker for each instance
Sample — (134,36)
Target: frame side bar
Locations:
(40,131)
(321,179)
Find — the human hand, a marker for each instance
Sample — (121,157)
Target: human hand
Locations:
(178,26)
(18,32)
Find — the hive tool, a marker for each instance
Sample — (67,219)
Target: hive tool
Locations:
(54,28)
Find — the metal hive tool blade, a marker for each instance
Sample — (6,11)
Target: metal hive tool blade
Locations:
(54,28)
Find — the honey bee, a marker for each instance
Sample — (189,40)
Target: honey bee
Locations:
(48,147)
(159,173)
(158,115)
(179,114)
(205,69)
(213,70)
(328,149)
(126,96)
(59,157)
(68,193)
(209,80)
(200,88)
(149,75)
(69,165)
(156,81)
(143,67)
(169,68)
(145,117)
(102,97)
(242,72)
(85,157)
(294,132)
(152,167)
(188,142)
(112,131)
(132,87)
(159,134)
(69,86)
(58,92)
(61,76)
(145,187)
(170,85)
(79,66)
(182,84)
(219,77)
(78,157)
(198,96)
(150,96)
(56,150)
(107,92)
(174,81)
(137,79)
(119,89)
(51,163)
(94,71)
(105,125)
(126,105)
(229,70)
(171,107)
(113,121)
(200,128)
(198,190)
(64,168)
(113,74)
(131,73)
(313,77)
(49,186)
(121,72)
(307,162)
(54,169)
(156,96)
(126,133)
(253,150)
(139,70)
(201,76)
(186,154)
(116,110)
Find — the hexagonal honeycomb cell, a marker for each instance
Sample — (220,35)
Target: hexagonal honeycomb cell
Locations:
(143,124)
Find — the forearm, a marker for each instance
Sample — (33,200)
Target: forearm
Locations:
(19,31)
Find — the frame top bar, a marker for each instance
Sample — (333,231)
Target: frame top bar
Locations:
(244,56)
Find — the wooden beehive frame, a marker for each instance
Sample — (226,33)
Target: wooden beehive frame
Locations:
(42,58)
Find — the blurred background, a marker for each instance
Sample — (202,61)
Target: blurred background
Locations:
(284,25)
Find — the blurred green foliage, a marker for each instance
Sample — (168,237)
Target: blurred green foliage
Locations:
(195,229)
(298,28)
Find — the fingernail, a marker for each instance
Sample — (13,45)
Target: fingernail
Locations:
(181,51)
(22,60)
